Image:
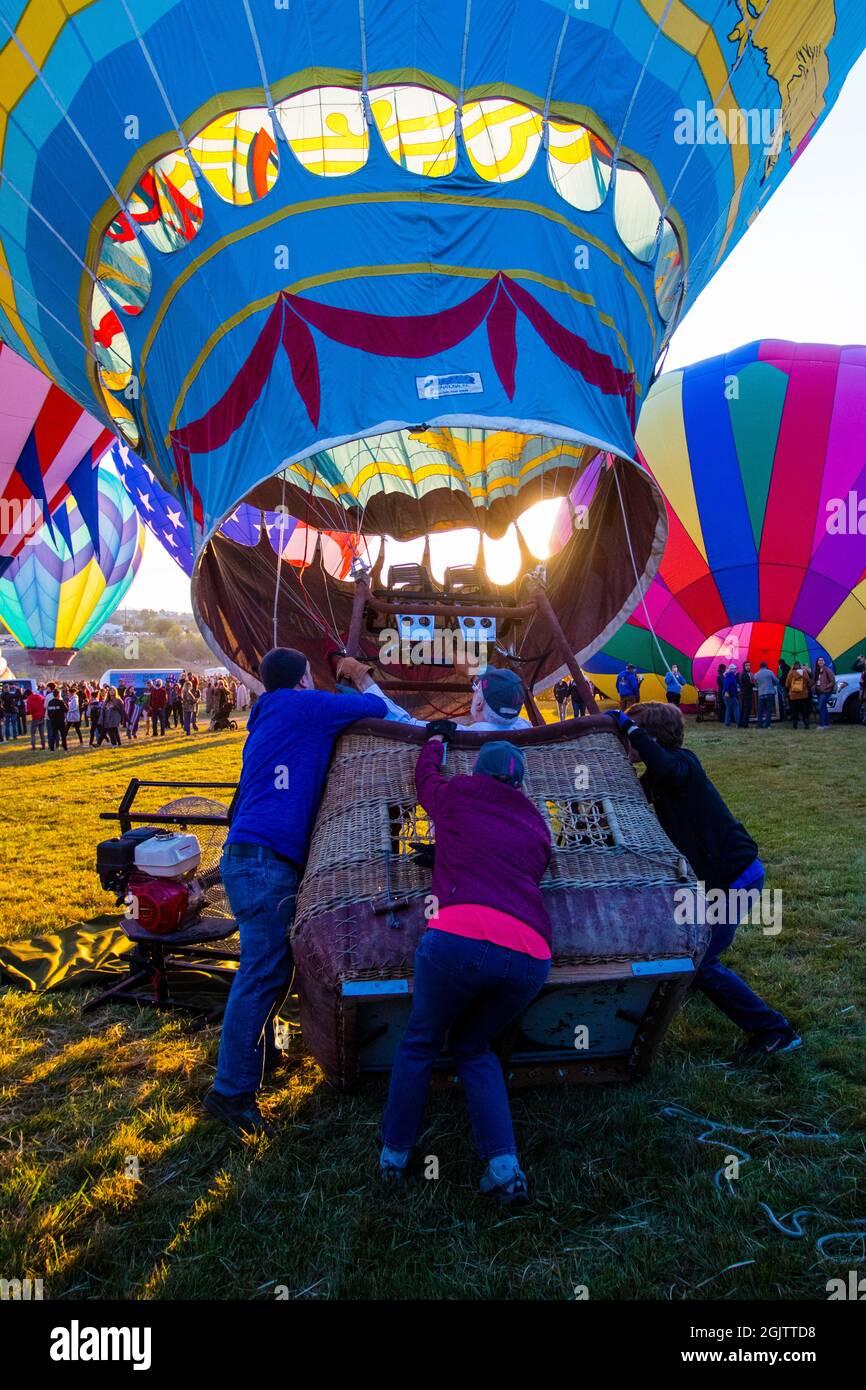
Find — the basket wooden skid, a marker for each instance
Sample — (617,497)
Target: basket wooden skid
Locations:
(622,961)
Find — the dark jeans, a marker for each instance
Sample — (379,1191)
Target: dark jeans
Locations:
(76,725)
(56,735)
(157,720)
(474,989)
(261,892)
(824,708)
(673,697)
(578,708)
(10,726)
(765,711)
(745,712)
(37,726)
(800,710)
(728,992)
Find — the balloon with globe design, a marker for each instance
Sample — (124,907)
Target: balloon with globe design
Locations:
(299,272)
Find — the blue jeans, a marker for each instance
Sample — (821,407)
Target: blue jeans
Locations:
(10,725)
(765,711)
(474,989)
(727,991)
(732,709)
(824,708)
(262,893)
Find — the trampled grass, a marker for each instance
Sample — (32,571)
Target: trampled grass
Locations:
(624,1197)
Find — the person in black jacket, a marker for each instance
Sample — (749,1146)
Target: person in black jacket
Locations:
(747,685)
(722,854)
(56,710)
(720,692)
(561,692)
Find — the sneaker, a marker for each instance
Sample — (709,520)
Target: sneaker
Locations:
(393,1164)
(240,1114)
(513,1191)
(770,1044)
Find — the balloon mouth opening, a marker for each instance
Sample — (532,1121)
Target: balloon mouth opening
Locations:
(430,510)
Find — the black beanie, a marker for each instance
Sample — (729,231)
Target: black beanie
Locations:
(282,668)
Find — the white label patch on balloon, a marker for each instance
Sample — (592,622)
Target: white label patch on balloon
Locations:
(430,388)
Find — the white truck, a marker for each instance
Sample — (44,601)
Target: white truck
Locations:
(844,703)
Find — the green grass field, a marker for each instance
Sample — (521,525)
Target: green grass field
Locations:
(624,1197)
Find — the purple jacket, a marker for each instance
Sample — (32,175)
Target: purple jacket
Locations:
(492,845)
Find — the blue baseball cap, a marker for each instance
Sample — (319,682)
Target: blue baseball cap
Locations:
(503,691)
(502,760)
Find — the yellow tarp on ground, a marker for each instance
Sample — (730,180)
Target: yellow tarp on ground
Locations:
(79,955)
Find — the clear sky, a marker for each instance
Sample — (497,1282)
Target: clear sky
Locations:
(798,273)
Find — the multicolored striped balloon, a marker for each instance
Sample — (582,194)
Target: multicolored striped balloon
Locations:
(66,582)
(761,456)
(48,447)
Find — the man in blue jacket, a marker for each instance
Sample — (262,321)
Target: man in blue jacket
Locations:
(628,687)
(291,734)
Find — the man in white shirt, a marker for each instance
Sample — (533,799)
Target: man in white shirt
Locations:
(497,698)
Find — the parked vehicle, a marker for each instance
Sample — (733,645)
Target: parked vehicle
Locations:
(139,678)
(844,703)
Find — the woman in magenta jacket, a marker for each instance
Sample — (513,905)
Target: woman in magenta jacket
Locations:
(483,959)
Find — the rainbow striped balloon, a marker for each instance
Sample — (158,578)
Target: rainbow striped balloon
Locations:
(761,456)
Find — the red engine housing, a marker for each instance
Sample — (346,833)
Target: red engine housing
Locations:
(159,905)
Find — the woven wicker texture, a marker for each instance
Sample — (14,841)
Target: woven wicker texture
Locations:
(609,889)
(211,839)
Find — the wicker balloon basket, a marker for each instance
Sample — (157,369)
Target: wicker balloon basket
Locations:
(622,959)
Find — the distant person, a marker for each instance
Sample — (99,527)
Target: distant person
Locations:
(170,706)
(9,711)
(55,713)
(799,686)
(73,715)
(628,687)
(158,702)
(766,686)
(131,713)
(578,704)
(721,671)
(823,683)
(731,692)
(747,686)
(782,672)
(674,684)
(94,718)
(112,717)
(21,707)
(36,710)
(189,705)
(561,692)
(723,856)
